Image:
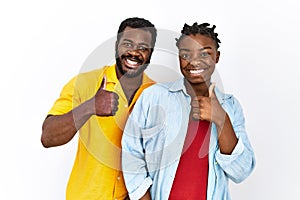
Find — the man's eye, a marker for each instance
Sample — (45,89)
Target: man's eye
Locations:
(142,48)
(127,45)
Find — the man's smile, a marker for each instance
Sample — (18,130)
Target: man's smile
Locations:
(131,61)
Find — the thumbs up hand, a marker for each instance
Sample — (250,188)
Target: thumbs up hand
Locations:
(106,102)
(208,108)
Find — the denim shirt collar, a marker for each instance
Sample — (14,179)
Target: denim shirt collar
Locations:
(178,86)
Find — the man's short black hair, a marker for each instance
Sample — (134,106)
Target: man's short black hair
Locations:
(136,22)
(202,29)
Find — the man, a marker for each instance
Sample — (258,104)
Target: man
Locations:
(184,139)
(98,103)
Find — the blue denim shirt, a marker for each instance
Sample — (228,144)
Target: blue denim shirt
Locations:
(153,140)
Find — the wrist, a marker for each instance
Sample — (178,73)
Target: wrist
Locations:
(222,119)
(91,107)
(88,107)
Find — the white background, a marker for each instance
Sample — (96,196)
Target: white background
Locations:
(45,43)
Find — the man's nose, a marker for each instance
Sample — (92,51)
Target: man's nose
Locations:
(134,51)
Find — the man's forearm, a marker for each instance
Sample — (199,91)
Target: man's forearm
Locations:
(60,129)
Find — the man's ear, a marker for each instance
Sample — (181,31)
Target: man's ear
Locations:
(218,56)
(116,45)
(151,51)
(150,55)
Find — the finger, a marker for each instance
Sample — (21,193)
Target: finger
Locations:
(114,99)
(195,110)
(114,110)
(198,98)
(103,83)
(195,103)
(196,116)
(115,96)
(211,89)
(115,103)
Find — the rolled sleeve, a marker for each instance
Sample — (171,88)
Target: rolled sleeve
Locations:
(134,166)
(239,165)
(141,190)
(227,159)
(134,171)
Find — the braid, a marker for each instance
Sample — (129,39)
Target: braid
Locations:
(202,29)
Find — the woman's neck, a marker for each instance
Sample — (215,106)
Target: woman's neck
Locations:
(199,89)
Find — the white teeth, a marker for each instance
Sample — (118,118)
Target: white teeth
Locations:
(197,71)
(130,62)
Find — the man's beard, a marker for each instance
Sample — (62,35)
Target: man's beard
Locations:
(131,73)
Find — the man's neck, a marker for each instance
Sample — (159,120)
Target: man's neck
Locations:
(130,85)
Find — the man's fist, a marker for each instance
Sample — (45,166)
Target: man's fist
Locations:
(106,102)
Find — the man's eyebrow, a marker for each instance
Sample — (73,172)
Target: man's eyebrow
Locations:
(127,40)
(144,44)
(141,43)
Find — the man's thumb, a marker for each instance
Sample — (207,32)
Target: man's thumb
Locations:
(103,83)
(211,88)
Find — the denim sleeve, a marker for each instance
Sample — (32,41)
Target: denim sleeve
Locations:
(239,165)
(134,166)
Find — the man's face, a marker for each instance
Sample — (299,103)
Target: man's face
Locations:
(133,51)
(197,57)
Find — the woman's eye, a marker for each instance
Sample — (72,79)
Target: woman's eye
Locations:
(204,54)
(184,56)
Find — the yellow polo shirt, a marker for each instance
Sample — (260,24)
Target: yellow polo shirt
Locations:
(96,173)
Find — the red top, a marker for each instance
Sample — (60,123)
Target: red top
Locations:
(191,176)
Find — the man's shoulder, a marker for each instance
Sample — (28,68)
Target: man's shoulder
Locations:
(88,78)
(93,73)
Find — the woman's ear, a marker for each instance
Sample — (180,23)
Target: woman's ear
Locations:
(217,56)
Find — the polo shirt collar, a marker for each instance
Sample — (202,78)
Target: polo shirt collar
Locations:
(111,76)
